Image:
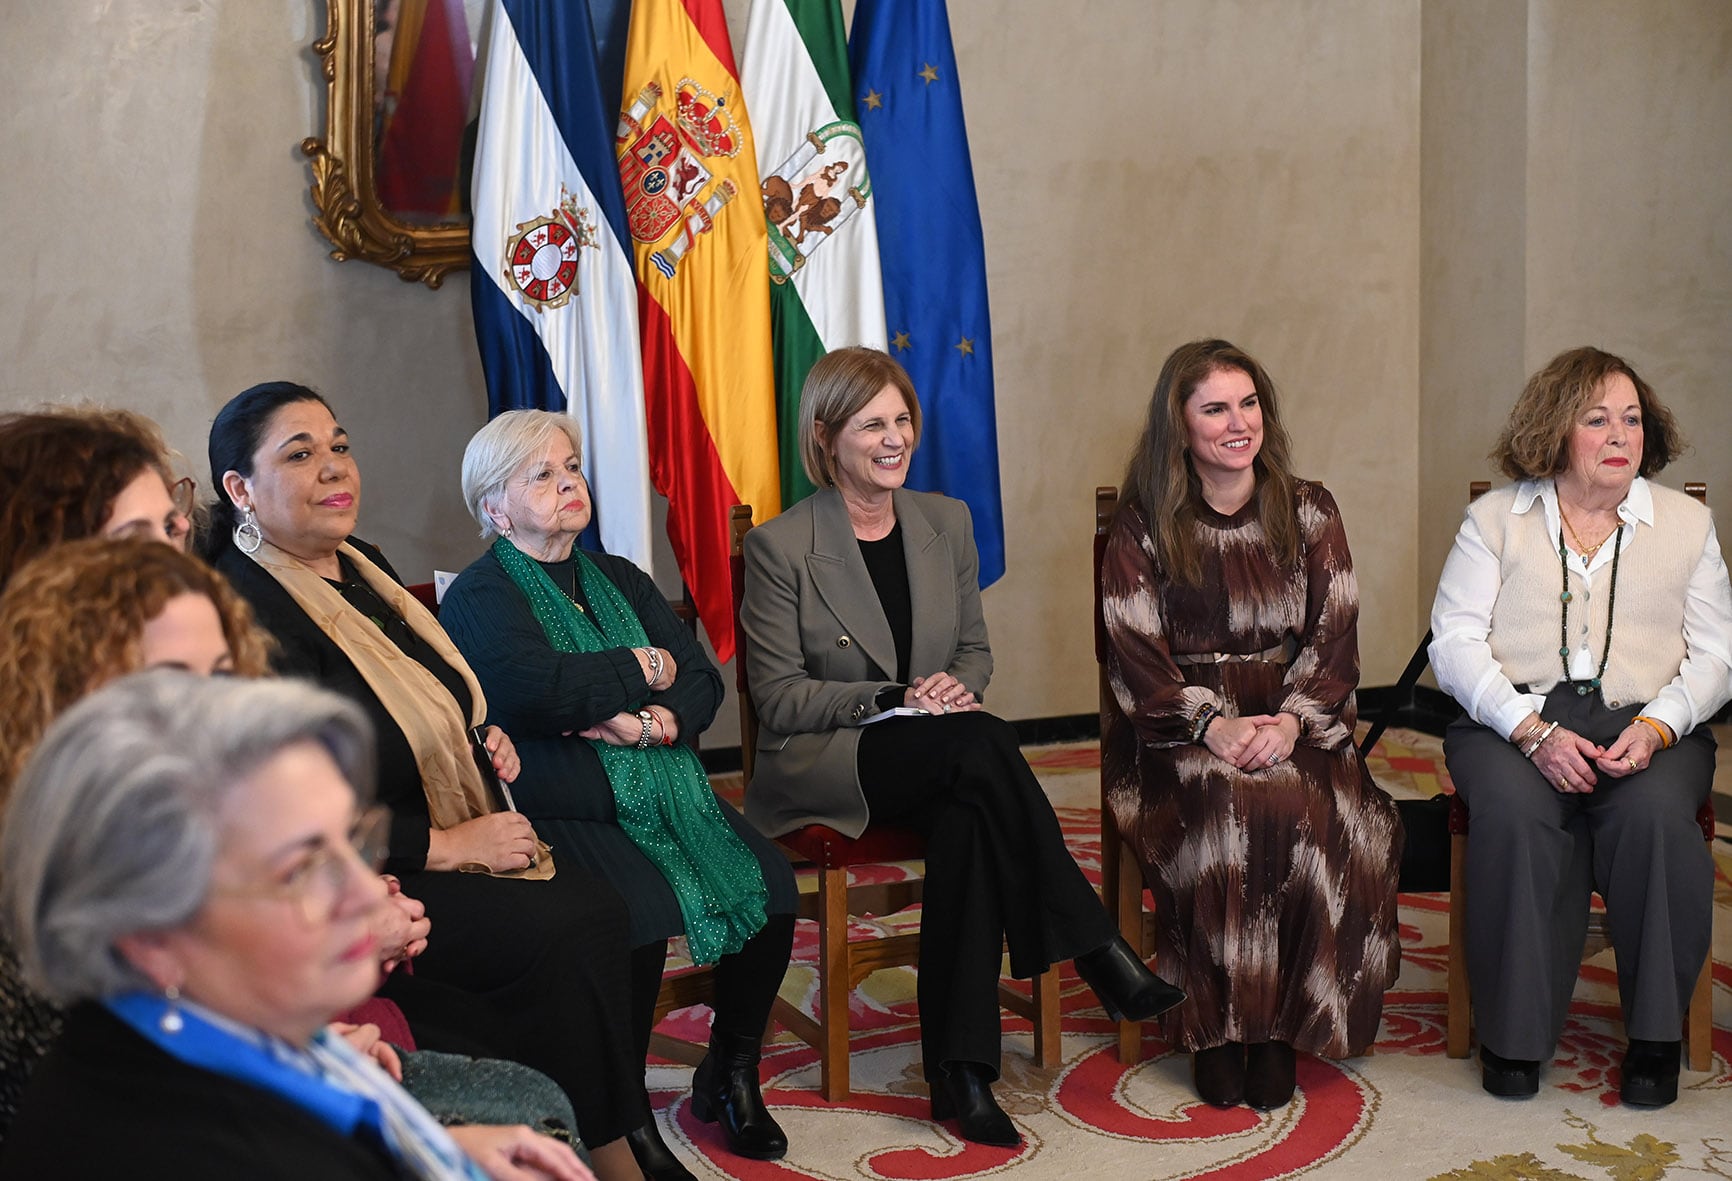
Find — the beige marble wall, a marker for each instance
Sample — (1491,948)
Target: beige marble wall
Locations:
(1577,190)
(1149,173)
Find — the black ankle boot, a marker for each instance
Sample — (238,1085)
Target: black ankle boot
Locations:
(1270,1072)
(725,1091)
(963,1090)
(653,1156)
(1127,989)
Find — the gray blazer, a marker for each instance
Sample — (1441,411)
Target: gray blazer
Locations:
(818,648)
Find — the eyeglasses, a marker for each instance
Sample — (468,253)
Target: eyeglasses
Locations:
(184,494)
(316,884)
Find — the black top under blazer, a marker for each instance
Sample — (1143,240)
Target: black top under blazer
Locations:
(819,648)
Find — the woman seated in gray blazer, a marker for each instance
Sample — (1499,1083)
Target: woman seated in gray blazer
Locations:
(864,598)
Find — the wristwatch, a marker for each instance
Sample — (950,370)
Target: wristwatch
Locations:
(648,738)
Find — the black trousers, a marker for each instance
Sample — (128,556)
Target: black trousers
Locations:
(997,871)
(535,972)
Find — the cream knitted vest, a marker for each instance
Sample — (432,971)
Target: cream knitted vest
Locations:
(1653,572)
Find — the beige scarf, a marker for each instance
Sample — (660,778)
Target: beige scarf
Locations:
(414,697)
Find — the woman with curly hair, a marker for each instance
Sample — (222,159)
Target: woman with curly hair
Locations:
(73,472)
(82,615)
(97,609)
(1584,622)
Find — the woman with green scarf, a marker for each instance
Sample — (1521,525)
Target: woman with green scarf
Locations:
(603,689)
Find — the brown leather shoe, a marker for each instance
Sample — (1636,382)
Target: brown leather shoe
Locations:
(1270,1069)
(1218,1073)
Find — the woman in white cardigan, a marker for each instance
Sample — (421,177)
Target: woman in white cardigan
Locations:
(1583,623)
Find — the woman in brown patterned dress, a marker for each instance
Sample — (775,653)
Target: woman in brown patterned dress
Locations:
(1232,611)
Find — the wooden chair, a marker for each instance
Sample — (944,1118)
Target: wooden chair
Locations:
(1121,876)
(694,985)
(842,963)
(1698,1021)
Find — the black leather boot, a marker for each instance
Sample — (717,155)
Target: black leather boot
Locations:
(1270,1075)
(653,1155)
(725,1091)
(963,1090)
(1127,989)
(1218,1073)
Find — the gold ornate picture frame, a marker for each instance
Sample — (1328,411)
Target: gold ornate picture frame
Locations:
(343,164)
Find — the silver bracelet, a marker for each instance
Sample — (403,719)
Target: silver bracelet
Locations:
(1532,748)
(648,721)
(657,667)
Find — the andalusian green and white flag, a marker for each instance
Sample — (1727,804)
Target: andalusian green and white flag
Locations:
(826,290)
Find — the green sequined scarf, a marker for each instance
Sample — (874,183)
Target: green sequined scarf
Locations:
(664,801)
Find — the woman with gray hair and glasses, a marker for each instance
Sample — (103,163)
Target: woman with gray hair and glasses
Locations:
(186,866)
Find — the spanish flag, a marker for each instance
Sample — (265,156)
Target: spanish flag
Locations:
(696,219)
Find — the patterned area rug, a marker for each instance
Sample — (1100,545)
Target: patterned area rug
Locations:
(1403,1111)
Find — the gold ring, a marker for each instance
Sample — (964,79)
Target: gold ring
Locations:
(1630,761)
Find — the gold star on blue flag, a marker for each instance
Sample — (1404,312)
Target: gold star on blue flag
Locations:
(932,252)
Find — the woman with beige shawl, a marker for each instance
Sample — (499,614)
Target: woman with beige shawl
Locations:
(548,948)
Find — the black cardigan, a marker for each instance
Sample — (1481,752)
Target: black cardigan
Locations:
(106,1103)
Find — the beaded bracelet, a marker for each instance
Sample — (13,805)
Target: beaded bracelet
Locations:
(1200,727)
(1656,728)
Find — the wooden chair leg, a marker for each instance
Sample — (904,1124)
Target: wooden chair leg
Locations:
(835,981)
(1127,886)
(1460,1012)
(1699,1021)
(1044,988)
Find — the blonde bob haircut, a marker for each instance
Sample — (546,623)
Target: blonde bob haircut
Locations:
(1535,442)
(503,448)
(836,389)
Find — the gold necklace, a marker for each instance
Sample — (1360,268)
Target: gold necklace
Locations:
(1587,551)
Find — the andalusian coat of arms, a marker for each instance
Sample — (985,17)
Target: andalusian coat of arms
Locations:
(813,193)
(662,166)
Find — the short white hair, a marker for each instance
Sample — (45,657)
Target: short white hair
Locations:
(499,450)
(113,828)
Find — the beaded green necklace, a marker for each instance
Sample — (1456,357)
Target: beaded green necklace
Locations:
(1583,688)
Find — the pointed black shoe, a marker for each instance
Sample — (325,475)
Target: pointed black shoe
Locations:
(1127,989)
(653,1156)
(1218,1074)
(1271,1073)
(725,1091)
(1650,1074)
(963,1090)
(1508,1078)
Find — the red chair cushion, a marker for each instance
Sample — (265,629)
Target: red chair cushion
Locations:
(829,849)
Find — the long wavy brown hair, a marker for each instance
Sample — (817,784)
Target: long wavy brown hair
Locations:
(73,620)
(61,469)
(1162,486)
(1535,442)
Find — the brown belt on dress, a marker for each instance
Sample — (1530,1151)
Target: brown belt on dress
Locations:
(1281,653)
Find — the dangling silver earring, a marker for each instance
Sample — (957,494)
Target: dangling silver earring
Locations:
(248,535)
(171,1022)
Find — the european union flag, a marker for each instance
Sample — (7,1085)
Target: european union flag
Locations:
(931,251)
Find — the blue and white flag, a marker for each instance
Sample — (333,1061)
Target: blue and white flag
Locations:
(554,290)
(931,251)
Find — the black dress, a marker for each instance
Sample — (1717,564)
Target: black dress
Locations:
(533,971)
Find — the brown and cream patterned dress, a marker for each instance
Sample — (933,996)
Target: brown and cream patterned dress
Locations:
(1274,888)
